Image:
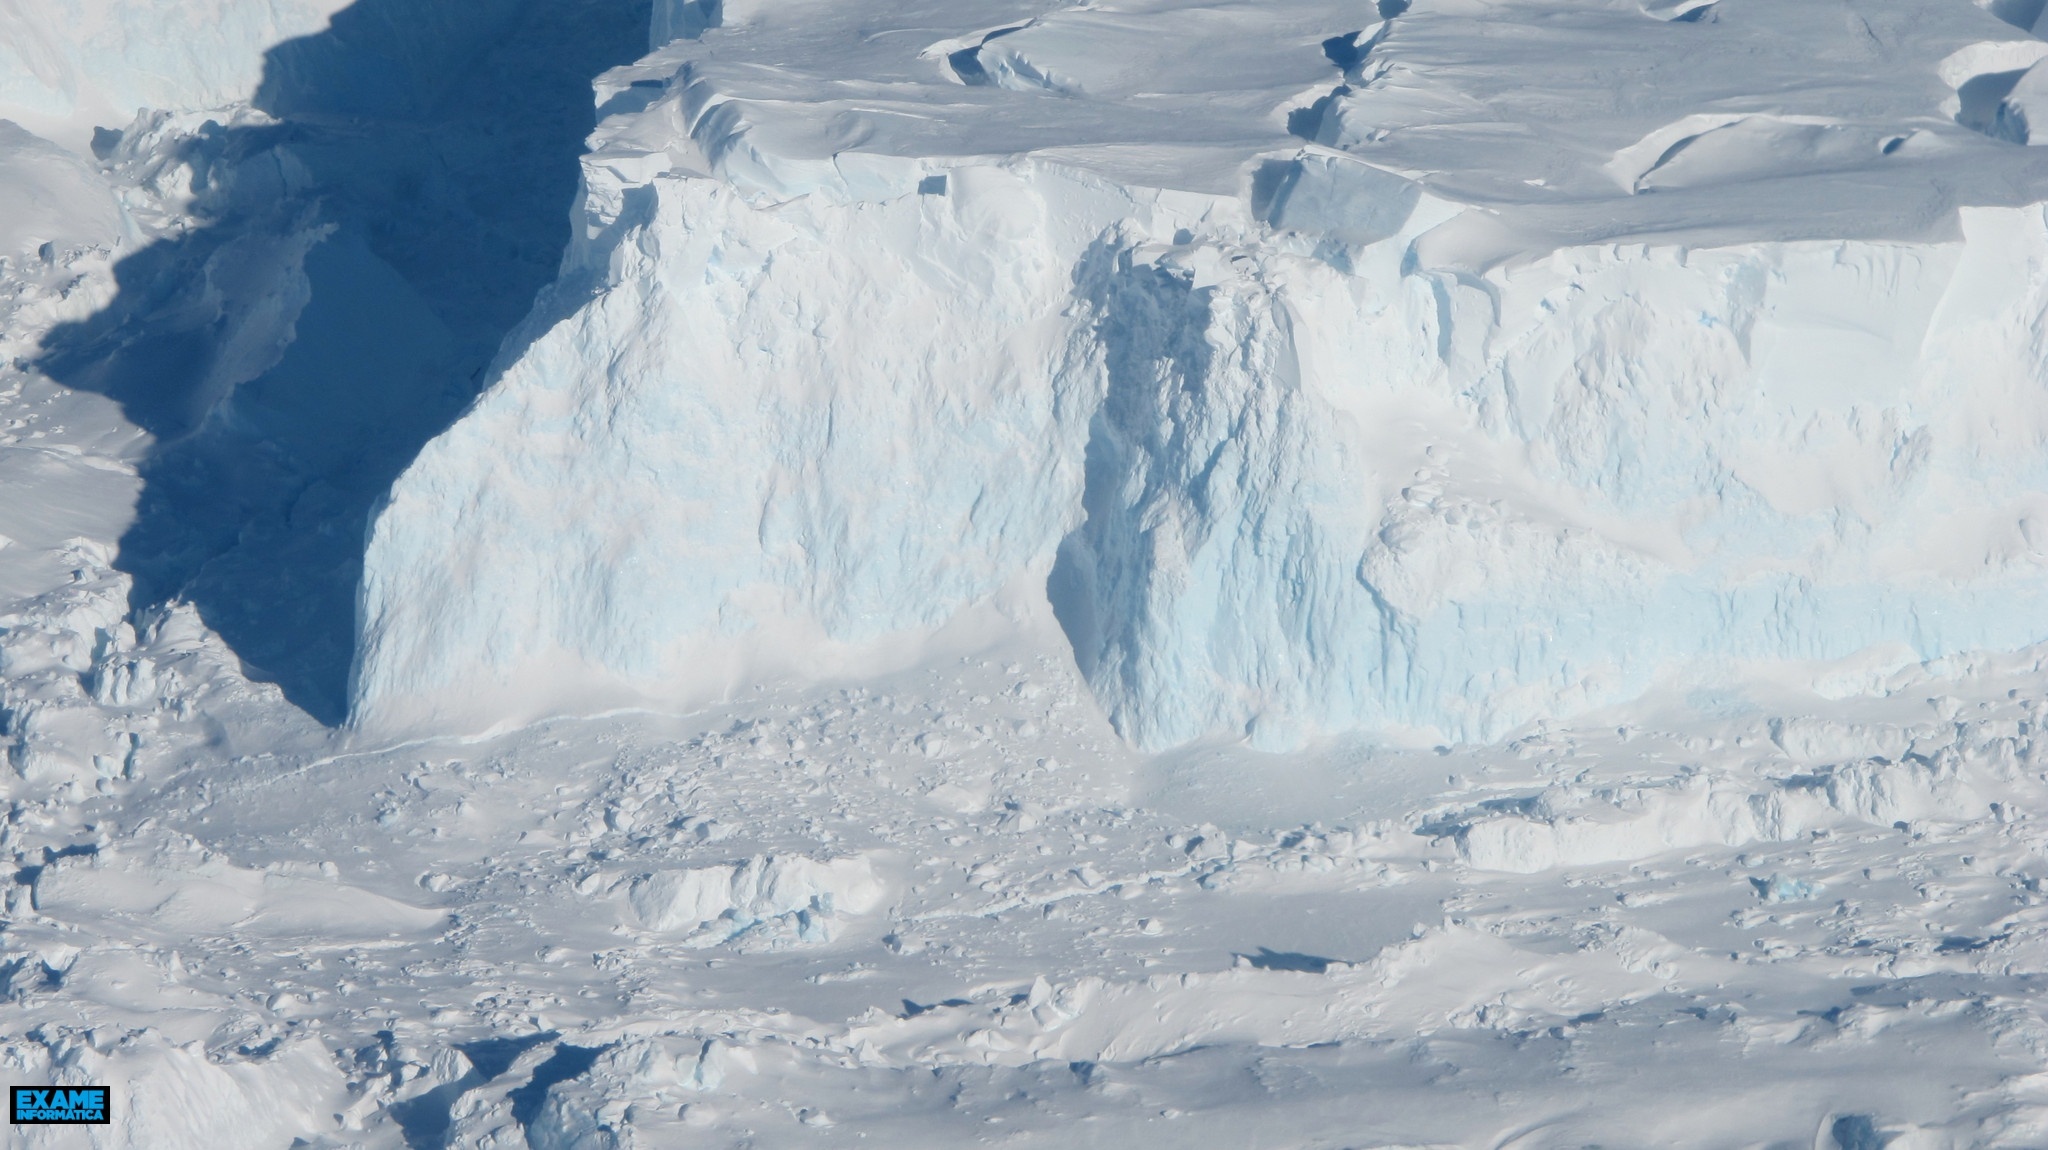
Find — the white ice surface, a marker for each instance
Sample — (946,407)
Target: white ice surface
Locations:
(1574,351)
(1738,427)
(67,66)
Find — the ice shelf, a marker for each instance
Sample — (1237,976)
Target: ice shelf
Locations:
(1377,377)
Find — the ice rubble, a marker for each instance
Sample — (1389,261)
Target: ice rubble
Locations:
(1433,979)
(766,901)
(67,65)
(1301,438)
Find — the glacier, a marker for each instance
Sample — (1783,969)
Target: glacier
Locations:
(1299,419)
(942,449)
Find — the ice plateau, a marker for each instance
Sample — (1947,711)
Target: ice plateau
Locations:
(1387,377)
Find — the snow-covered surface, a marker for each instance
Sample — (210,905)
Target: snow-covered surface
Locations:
(1270,575)
(67,66)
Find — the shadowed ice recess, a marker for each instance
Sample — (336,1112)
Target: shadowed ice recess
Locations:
(357,264)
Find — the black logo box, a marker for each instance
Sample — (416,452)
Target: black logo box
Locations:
(55,1105)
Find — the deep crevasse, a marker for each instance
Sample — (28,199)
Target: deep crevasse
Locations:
(1283,461)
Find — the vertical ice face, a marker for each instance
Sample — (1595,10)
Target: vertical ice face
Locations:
(1207,586)
(684,19)
(1309,511)
(1293,443)
(773,435)
(1284,497)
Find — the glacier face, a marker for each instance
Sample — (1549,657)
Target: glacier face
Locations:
(1300,423)
(1548,488)
(716,444)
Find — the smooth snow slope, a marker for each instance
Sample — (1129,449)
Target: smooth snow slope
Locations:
(1482,362)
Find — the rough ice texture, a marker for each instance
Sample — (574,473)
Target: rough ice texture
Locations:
(66,65)
(718,447)
(764,901)
(1294,443)
(1540,490)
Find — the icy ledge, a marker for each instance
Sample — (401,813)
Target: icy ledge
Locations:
(1282,462)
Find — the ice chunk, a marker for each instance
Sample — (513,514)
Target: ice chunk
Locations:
(720,903)
(1291,441)
(1778,888)
(1333,196)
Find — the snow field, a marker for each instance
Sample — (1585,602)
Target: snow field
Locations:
(68,65)
(1010,941)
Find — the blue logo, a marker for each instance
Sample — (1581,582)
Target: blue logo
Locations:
(52,1104)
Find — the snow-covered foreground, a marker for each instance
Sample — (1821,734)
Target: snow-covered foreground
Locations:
(1600,446)
(948,908)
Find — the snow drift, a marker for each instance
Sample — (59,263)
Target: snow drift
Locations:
(1295,437)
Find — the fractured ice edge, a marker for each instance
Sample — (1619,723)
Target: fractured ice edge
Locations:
(1297,439)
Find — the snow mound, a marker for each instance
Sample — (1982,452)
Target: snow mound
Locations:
(1443,977)
(175,1096)
(1626,824)
(51,195)
(1874,774)
(207,894)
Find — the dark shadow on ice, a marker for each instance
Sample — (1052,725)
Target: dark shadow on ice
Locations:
(1980,97)
(1152,324)
(914,1009)
(567,1062)
(427,1120)
(2021,14)
(1858,1132)
(358,264)
(1268,959)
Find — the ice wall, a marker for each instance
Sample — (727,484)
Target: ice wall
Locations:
(735,458)
(1291,442)
(1473,502)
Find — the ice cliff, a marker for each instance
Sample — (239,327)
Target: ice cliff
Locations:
(1352,379)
